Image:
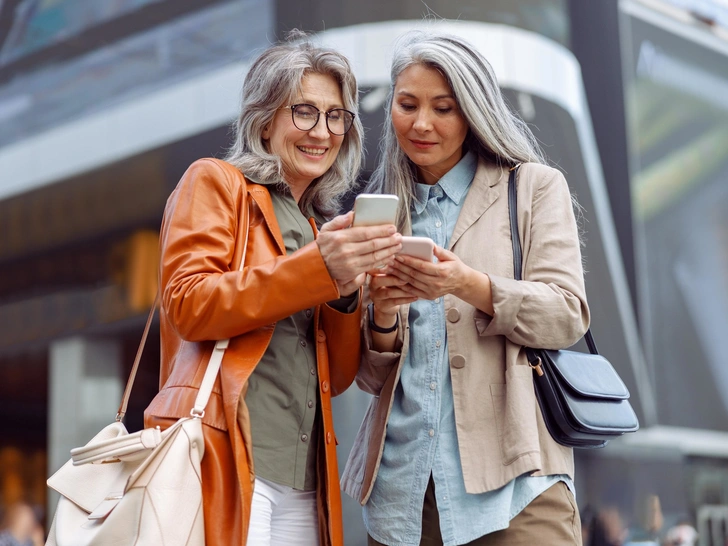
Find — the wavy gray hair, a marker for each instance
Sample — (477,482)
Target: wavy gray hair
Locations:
(495,132)
(274,80)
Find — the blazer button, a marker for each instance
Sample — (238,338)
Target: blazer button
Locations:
(325,386)
(458,361)
(453,315)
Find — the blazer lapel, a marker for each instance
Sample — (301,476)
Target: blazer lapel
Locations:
(483,192)
(261,196)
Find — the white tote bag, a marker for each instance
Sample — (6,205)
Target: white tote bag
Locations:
(141,489)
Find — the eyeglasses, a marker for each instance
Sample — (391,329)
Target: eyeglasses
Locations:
(306,116)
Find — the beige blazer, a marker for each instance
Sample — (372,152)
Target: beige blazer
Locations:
(501,433)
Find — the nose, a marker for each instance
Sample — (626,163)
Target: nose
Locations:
(320,130)
(422,122)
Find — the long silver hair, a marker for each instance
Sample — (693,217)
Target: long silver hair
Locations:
(495,132)
(273,81)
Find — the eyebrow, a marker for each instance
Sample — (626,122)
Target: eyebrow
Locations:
(315,103)
(438,97)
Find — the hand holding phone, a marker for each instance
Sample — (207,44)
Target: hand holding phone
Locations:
(375,209)
(418,247)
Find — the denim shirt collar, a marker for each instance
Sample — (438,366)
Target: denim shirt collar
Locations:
(454,184)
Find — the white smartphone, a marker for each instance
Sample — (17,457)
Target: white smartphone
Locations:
(418,247)
(372,209)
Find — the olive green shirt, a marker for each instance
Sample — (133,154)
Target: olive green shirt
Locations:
(282,395)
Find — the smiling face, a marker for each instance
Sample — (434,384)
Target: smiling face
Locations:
(306,155)
(428,123)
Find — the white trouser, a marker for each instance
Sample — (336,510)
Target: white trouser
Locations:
(281,516)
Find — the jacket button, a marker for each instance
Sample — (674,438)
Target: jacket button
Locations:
(304,437)
(303,342)
(328,437)
(458,361)
(325,386)
(453,315)
(310,403)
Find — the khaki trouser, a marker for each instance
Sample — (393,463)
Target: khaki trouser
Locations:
(551,519)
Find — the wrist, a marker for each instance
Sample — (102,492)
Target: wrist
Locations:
(382,323)
(383,320)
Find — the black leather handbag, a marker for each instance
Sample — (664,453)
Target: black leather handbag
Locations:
(583,400)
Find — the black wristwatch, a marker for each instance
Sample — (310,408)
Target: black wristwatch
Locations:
(373,325)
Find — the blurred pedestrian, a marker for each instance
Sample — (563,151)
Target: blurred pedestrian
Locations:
(20,527)
(682,534)
(607,528)
(453,450)
(269,474)
(650,518)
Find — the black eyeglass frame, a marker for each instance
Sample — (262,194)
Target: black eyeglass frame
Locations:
(318,117)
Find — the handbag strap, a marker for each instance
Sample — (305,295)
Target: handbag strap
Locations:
(213,365)
(132,374)
(516,242)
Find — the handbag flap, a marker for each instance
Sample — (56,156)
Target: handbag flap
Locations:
(600,415)
(89,484)
(588,374)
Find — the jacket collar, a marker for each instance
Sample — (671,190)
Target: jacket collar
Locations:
(454,184)
(260,194)
(487,186)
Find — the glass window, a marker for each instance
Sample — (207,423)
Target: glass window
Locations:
(41,23)
(63,89)
(677,113)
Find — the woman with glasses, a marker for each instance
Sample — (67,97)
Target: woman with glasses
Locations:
(292,312)
(453,449)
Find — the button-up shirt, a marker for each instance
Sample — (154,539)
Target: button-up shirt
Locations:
(421,437)
(282,395)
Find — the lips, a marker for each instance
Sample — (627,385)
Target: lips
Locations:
(312,151)
(422,144)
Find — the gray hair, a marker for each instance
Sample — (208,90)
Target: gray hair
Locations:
(495,132)
(273,81)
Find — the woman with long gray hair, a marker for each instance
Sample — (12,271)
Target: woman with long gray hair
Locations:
(291,310)
(453,449)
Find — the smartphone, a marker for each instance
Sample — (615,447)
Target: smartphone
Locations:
(418,247)
(372,209)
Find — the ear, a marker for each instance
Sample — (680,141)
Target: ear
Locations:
(266,132)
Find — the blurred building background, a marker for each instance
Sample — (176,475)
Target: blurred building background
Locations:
(104,103)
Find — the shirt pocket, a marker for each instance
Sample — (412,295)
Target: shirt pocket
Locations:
(514,405)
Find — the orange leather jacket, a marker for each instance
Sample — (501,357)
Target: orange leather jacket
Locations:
(205,297)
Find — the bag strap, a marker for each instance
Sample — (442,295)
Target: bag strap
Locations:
(213,365)
(132,374)
(516,242)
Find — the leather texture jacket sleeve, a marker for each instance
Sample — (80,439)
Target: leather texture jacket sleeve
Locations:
(205,296)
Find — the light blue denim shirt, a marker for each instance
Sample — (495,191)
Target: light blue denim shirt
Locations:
(421,436)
